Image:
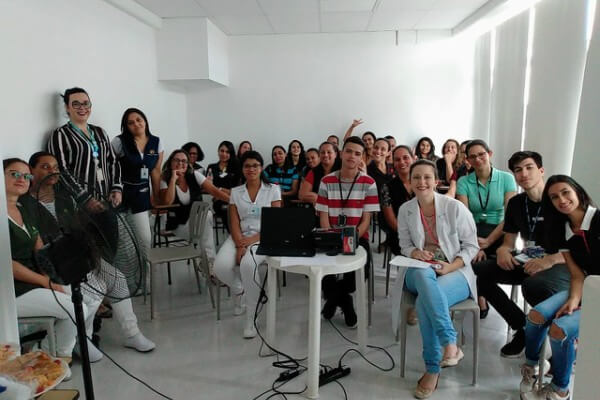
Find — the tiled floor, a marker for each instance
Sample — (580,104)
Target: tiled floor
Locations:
(200,358)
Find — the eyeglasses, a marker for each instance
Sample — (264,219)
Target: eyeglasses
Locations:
(77,105)
(478,155)
(251,166)
(180,160)
(16,175)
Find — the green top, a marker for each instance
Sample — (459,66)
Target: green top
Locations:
(22,247)
(486,202)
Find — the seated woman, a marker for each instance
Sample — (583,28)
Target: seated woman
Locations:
(463,168)
(296,156)
(330,162)
(573,227)
(243,147)
(225,175)
(425,150)
(447,164)
(32,285)
(236,264)
(54,211)
(312,160)
(282,174)
(196,156)
(180,184)
(438,229)
(395,193)
(486,193)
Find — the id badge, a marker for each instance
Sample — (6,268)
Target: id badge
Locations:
(341,220)
(144,172)
(530,244)
(99,174)
(254,211)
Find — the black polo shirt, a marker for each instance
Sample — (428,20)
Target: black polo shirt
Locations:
(525,216)
(584,245)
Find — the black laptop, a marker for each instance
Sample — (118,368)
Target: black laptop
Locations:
(286,232)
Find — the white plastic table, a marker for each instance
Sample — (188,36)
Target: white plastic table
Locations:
(340,264)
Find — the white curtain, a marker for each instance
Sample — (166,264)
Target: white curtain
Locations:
(506,103)
(481,97)
(557,66)
(586,163)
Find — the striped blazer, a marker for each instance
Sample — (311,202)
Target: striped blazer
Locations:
(74,154)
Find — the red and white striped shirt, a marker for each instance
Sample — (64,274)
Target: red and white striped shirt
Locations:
(351,203)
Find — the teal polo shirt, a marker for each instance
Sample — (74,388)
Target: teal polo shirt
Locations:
(500,183)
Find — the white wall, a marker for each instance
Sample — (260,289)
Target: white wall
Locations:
(585,161)
(309,86)
(47,46)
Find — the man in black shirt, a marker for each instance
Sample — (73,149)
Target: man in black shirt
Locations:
(539,276)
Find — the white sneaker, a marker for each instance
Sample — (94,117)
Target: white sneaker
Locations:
(238,304)
(530,376)
(94,354)
(140,343)
(546,393)
(249,329)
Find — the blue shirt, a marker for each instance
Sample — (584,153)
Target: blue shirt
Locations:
(284,177)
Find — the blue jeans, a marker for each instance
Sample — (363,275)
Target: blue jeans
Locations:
(563,350)
(435,295)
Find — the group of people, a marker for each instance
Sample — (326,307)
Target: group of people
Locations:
(458,212)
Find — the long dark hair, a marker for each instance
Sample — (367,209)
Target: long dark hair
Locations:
(125,132)
(554,220)
(166,169)
(273,150)
(232,163)
(239,156)
(254,155)
(431,154)
(189,145)
(289,163)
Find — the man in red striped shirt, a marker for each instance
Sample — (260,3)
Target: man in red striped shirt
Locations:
(346,198)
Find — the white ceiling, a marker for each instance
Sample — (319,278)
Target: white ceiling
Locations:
(244,17)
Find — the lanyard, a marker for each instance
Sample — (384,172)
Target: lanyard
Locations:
(91,140)
(487,199)
(428,229)
(535,220)
(349,192)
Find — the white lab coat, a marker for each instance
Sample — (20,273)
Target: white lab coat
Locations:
(456,233)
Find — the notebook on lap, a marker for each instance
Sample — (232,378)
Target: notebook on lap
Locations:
(286,232)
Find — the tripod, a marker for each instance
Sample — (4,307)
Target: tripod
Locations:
(77,299)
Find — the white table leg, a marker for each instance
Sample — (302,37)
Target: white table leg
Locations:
(314,333)
(361,307)
(271,304)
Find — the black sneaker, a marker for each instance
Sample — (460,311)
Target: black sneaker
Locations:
(347,307)
(329,309)
(515,347)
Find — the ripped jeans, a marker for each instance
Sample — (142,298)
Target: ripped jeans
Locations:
(563,350)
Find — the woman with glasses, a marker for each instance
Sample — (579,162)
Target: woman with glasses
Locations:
(486,192)
(196,155)
(180,184)
(236,264)
(34,297)
(85,152)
